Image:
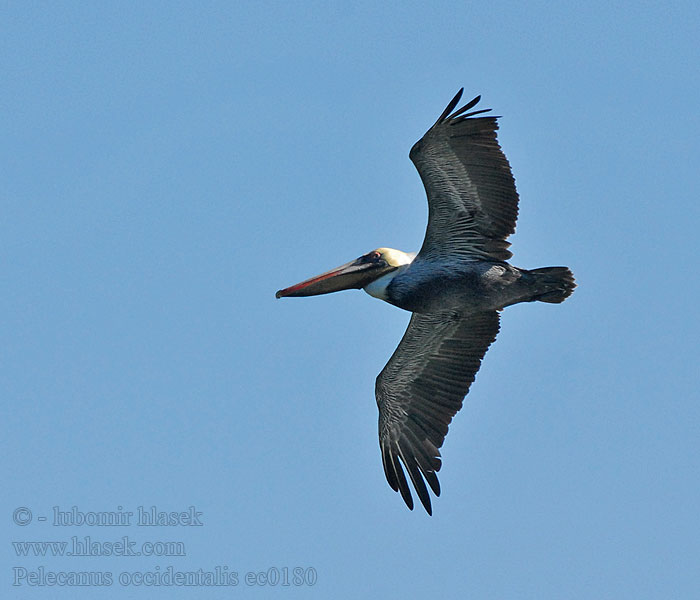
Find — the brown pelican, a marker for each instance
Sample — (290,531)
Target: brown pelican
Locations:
(455,287)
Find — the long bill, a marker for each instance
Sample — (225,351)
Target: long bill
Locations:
(353,275)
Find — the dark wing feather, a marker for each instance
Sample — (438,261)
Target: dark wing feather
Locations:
(473,204)
(421,388)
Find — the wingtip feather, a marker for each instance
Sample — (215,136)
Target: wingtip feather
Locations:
(417,480)
(450,107)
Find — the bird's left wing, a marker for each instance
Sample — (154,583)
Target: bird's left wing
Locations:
(421,388)
(472,200)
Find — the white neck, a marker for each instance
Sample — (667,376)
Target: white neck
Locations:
(377,288)
(394,258)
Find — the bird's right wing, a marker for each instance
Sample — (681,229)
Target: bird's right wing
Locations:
(422,387)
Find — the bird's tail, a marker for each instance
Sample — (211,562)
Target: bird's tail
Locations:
(552,284)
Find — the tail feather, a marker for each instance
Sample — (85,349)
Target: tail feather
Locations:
(556,284)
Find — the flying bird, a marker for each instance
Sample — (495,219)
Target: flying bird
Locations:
(454,287)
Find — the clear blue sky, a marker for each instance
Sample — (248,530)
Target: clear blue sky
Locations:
(166,167)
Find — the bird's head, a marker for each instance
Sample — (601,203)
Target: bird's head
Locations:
(356,274)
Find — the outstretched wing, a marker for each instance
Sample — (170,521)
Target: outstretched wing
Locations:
(421,388)
(473,204)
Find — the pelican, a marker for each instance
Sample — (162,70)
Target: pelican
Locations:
(455,287)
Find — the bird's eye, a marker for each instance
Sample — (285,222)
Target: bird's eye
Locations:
(371,257)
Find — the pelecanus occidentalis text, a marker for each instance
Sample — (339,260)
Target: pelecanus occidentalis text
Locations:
(455,287)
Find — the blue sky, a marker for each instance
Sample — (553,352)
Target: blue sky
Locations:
(166,167)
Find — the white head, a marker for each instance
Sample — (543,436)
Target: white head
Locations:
(372,271)
(397,259)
